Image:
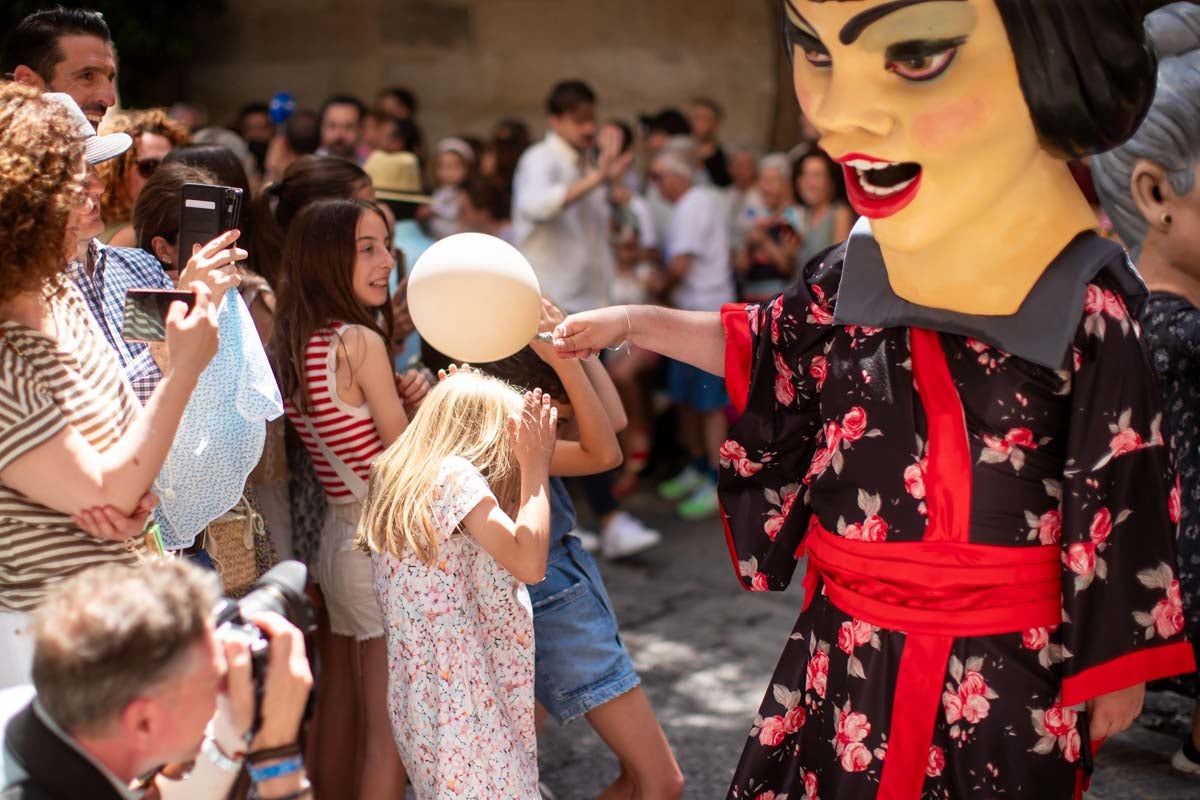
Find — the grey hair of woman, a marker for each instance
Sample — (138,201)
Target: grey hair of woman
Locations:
(776,162)
(1170,135)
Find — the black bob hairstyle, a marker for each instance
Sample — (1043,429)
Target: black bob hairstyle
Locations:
(1086,69)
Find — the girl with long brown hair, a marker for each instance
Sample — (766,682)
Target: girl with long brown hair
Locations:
(335,372)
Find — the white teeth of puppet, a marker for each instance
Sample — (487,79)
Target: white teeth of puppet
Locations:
(867,166)
(878,191)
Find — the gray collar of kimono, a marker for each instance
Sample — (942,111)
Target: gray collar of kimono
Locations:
(1041,330)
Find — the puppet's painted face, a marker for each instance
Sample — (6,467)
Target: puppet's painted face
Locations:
(920,102)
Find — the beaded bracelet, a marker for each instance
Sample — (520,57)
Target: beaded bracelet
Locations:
(212,751)
(288,766)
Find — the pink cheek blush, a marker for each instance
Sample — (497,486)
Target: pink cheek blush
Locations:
(940,128)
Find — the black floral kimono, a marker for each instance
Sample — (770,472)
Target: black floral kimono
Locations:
(989,509)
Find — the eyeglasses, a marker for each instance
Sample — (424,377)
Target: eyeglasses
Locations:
(147,166)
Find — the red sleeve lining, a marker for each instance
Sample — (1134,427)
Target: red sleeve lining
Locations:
(1129,670)
(739,353)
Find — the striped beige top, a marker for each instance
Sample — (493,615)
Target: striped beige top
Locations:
(46,385)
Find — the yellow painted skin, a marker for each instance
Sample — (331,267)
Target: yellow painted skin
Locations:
(994,207)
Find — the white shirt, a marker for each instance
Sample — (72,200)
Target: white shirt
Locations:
(700,228)
(568,246)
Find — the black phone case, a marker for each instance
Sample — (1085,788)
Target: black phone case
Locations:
(206,212)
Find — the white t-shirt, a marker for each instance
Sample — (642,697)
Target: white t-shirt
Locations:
(700,228)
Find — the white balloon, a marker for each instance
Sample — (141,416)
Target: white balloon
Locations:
(474,297)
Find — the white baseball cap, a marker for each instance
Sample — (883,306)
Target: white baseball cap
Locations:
(96,149)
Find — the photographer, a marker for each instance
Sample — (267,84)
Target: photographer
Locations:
(129,672)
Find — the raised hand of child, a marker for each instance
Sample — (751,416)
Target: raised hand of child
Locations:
(534,432)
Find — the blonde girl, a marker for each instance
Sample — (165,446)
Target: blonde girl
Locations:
(457,521)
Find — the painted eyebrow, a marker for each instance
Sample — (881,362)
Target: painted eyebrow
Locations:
(799,16)
(859,23)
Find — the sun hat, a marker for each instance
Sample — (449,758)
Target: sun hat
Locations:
(97,149)
(396,176)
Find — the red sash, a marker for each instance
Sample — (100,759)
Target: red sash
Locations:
(939,588)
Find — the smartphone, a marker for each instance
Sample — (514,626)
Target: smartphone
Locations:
(205,213)
(146,313)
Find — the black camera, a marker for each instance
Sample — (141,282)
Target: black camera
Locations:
(281,591)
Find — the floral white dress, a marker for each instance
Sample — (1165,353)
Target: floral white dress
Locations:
(460,658)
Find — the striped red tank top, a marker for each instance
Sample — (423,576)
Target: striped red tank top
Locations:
(347,430)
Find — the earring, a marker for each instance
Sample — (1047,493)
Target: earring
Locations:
(1166,219)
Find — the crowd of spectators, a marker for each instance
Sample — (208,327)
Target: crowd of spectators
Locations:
(94,477)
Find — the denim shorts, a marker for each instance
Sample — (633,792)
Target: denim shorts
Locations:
(695,388)
(580,662)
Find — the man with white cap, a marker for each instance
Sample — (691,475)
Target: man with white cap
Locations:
(103,274)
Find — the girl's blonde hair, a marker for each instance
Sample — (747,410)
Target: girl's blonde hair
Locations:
(465,415)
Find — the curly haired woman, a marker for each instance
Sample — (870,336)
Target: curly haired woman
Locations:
(78,453)
(154,135)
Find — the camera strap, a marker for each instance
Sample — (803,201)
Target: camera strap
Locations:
(356,485)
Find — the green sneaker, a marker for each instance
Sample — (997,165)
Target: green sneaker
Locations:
(702,504)
(681,485)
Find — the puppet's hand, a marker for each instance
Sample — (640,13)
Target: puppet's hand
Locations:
(1111,713)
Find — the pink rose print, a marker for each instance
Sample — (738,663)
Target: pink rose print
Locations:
(1168,614)
(1047,528)
(731,451)
(819,311)
(817,675)
(833,435)
(1173,502)
(819,464)
(819,369)
(785,389)
(1057,727)
(952,705)
(874,529)
(773,732)
(1081,558)
(1071,745)
(852,728)
(1093,303)
(1021,437)
(810,786)
(997,450)
(936,762)
(759,583)
(854,424)
(767,796)
(1124,442)
(783,500)
(1060,721)
(1166,618)
(846,639)
(1101,526)
(914,479)
(969,702)
(733,455)
(855,757)
(1035,638)
(1114,306)
(753,312)
(793,720)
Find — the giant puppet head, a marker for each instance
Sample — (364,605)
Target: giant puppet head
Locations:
(952,120)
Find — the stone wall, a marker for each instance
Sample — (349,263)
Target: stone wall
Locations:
(474,61)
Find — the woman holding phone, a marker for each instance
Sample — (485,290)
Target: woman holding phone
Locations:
(78,453)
